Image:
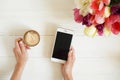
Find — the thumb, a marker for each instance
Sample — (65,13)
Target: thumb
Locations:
(70,56)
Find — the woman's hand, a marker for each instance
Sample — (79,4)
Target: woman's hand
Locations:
(21,56)
(67,67)
(20,52)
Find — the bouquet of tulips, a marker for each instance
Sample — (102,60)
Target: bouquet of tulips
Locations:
(100,17)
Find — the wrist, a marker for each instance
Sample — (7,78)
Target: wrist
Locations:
(20,66)
(68,77)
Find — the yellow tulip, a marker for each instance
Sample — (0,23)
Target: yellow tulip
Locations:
(107,12)
(90,31)
(107,32)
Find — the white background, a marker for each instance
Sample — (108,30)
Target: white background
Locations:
(96,58)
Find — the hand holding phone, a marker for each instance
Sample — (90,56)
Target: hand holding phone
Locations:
(62,44)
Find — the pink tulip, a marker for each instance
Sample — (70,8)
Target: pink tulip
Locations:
(77,17)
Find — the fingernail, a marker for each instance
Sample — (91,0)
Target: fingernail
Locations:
(21,42)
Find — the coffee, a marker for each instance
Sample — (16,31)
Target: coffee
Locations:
(31,38)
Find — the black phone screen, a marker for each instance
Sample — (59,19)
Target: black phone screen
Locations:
(62,45)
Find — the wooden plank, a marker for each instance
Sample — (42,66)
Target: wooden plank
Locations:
(18,26)
(36,68)
(36,5)
(84,46)
(45,16)
(7,45)
(43,68)
(97,46)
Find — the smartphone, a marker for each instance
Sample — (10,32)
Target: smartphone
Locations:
(62,45)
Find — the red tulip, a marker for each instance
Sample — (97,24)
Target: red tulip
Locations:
(113,23)
(98,7)
(116,28)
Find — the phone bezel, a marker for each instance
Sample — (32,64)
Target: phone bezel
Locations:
(63,30)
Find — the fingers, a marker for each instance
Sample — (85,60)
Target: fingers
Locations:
(17,47)
(18,39)
(15,53)
(27,47)
(20,52)
(71,47)
(71,56)
(22,47)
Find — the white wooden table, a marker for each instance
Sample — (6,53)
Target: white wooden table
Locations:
(96,58)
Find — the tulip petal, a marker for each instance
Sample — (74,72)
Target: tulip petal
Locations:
(90,31)
(107,12)
(107,31)
(107,2)
(94,5)
(77,17)
(87,20)
(116,28)
(99,19)
(100,28)
(115,9)
(101,5)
